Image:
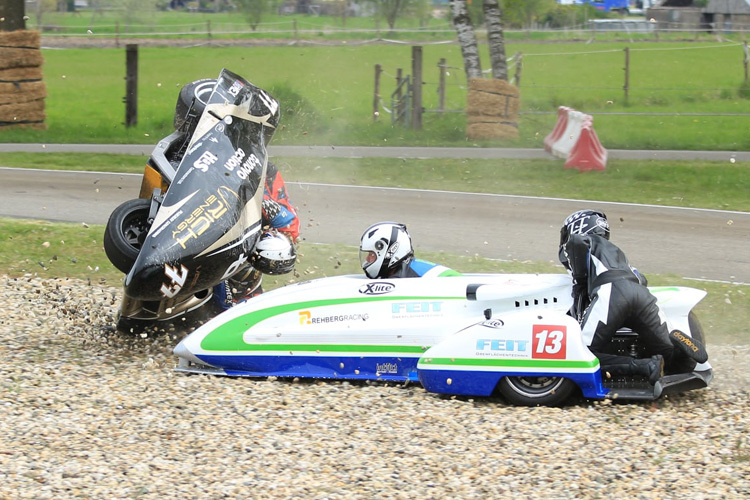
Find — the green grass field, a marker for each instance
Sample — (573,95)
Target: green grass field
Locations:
(327,93)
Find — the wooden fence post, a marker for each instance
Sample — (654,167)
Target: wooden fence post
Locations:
(519,68)
(376,96)
(626,87)
(131,85)
(399,108)
(441,84)
(416,72)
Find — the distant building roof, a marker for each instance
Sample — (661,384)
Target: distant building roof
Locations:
(728,6)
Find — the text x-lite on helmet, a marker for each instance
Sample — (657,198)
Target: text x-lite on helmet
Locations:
(384,246)
(583,222)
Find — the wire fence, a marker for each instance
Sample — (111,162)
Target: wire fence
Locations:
(685,97)
(301,29)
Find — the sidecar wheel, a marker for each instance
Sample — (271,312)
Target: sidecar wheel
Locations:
(125,232)
(200,91)
(536,391)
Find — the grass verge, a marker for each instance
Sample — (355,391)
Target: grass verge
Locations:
(695,184)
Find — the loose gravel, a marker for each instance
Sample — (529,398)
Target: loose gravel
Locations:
(86,412)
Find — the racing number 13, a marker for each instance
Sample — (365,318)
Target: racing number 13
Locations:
(549,342)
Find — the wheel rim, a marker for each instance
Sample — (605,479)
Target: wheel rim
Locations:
(535,387)
(134,230)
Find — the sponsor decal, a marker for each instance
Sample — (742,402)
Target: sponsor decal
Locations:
(177,277)
(306,318)
(236,88)
(235,160)
(493,323)
(549,342)
(377,288)
(507,348)
(685,340)
(416,309)
(386,368)
(251,163)
(205,160)
(200,219)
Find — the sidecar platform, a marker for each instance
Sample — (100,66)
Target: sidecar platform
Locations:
(668,384)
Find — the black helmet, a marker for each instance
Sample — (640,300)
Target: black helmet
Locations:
(584,222)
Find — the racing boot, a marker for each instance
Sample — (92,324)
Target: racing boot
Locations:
(688,346)
(652,368)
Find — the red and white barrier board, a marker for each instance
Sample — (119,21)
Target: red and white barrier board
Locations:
(574,140)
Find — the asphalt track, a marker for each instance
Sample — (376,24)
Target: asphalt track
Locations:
(693,243)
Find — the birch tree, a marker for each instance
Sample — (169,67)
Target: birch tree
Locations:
(466,38)
(493,15)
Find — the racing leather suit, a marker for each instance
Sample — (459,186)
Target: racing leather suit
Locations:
(417,268)
(609,294)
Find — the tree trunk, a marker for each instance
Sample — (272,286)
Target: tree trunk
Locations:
(493,13)
(12,14)
(466,38)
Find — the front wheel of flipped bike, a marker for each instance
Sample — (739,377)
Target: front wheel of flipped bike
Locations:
(125,232)
(536,391)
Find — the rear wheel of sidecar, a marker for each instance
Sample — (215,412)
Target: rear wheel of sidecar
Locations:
(125,232)
(536,391)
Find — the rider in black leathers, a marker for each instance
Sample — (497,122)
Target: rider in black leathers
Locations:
(609,294)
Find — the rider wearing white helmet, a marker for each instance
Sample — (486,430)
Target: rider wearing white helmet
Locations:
(385,251)
(608,294)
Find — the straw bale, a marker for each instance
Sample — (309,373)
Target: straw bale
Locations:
(486,104)
(493,97)
(18,92)
(20,38)
(20,58)
(492,109)
(29,73)
(24,112)
(479,128)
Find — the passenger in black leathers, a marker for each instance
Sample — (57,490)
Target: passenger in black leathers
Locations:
(609,294)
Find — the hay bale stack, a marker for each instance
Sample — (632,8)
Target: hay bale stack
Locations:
(492,109)
(22,90)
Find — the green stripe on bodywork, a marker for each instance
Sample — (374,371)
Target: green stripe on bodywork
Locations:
(511,363)
(338,348)
(658,289)
(228,335)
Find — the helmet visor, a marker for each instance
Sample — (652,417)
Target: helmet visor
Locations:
(367,258)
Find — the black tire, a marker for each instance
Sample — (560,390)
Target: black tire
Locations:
(536,391)
(125,232)
(194,94)
(696,329)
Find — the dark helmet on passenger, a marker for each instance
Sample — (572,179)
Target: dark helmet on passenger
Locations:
(582,222)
